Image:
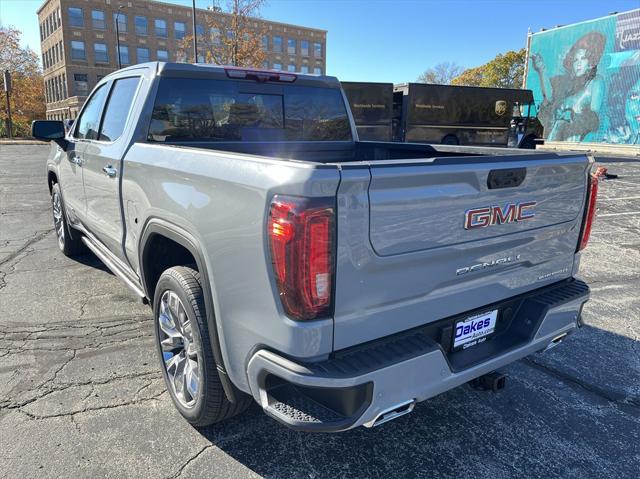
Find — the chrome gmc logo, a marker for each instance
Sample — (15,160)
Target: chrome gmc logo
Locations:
(498,215)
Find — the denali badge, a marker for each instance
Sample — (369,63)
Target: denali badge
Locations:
(488,264)
(496,215)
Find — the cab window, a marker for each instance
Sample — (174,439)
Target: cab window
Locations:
(89,121)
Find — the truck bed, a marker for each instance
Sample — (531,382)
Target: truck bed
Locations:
(359,151)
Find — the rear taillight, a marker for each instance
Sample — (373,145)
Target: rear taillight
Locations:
(301,238)
(590,213)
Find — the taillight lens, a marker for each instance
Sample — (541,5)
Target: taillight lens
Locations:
(590,213)
(301,235)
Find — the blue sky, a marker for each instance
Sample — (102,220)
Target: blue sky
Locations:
(394,41)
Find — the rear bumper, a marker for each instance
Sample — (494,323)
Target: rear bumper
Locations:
(355,387)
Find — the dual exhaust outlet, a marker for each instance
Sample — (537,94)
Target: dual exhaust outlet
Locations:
(493,381)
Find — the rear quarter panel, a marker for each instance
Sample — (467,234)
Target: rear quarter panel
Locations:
(222,200)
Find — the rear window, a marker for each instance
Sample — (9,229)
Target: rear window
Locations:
(224,110)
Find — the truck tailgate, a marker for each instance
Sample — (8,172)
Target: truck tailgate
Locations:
(412,248)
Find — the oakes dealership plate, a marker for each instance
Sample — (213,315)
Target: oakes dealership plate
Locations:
(474,329)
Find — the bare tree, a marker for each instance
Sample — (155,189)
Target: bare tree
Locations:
(232,35)
(441,74)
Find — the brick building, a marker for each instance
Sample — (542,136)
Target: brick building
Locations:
(78,40)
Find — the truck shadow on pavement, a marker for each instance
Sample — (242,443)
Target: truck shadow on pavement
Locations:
(558,416)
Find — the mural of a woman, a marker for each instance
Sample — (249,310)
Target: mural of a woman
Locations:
(624,107)
(572,101)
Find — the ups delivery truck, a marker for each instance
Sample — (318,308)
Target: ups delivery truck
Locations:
(456,115)
(372,109)
(460,115)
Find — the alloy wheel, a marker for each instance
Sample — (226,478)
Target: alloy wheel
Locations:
(180,349)
(58,220)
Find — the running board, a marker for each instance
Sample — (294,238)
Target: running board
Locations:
(114,268)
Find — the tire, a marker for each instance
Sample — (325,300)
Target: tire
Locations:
(529,143)
(450,140)
(178,310)
(69,242)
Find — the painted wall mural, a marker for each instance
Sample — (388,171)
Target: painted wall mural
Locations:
(586,80)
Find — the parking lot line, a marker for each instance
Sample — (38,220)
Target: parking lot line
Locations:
(621,198)
(626,213)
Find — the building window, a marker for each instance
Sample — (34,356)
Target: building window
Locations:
(161,27)
(143,55)
(317,71)
(141,25)
(75,17)
(317,50)
(304,69)
(120,19)
(80,84)
(77,50)
(124,55)
(291,67)
(265,42)
(265,64)
(277,44)
(163,55)
(277,66)
(291,46)
(304,48)
(200,58)
(200,30)
(179,30)
(97,19)
(181,56)
(64,86)
(100,53)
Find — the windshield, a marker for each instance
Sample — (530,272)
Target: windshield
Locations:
(189,109)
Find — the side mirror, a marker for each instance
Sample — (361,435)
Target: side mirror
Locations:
(49,130)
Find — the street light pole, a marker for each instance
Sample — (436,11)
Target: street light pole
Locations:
(195,34)
(118,36)
(7,89)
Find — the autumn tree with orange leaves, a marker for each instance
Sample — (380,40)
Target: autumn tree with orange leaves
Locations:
(27,92)
(232,35)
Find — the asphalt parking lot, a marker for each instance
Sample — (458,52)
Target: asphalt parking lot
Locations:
(82,393)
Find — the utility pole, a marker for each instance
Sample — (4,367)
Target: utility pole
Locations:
(120,7)
(7,90)
(195,34)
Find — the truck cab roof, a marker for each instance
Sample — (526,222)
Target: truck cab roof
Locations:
(208,70)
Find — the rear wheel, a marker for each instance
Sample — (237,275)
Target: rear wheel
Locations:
(450,140)
(70,244)
(182,338)
(528,143)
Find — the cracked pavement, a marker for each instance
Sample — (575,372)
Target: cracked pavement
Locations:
(82,393)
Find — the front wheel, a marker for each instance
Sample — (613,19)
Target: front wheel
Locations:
(450,140)
(70,245)
(182,338)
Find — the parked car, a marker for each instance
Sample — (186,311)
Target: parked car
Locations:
(335,282)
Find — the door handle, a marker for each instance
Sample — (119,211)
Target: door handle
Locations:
(110,171)
(76,160)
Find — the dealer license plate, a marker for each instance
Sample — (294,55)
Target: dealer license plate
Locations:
(474,329)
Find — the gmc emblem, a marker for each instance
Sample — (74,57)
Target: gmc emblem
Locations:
(497,215)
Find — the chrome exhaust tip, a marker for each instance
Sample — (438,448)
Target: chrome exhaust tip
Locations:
(392,413)
(555,341)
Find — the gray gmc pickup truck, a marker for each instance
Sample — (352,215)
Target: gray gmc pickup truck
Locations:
(335,282)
